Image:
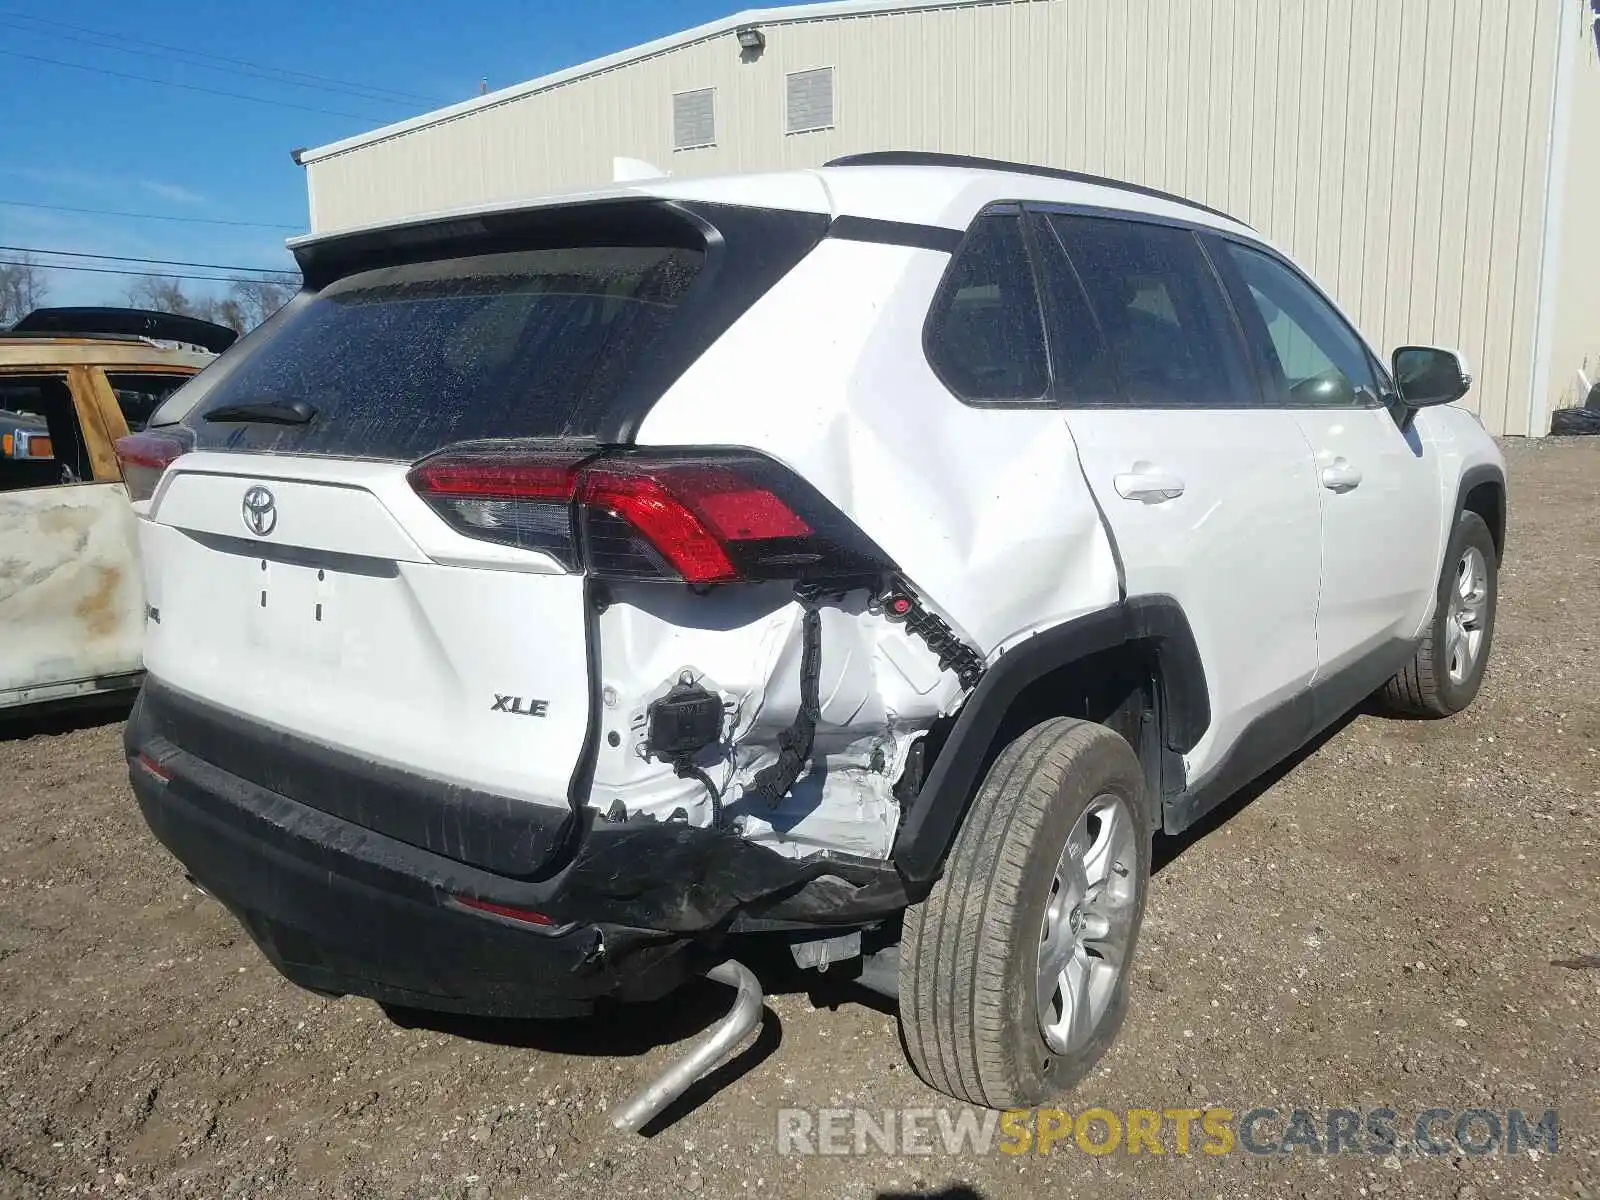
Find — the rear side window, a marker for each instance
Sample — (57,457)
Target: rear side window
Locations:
(398,361)
(1164,317)
(1080,362)
(985,333)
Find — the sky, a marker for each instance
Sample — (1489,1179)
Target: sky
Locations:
(76,139)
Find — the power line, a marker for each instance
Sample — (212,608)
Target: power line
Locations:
(188,87)
(7,262)
(235,62)
(109,212)
(195,58)
(168,262)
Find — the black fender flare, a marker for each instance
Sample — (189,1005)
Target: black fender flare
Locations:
(1474,477)
(935,815)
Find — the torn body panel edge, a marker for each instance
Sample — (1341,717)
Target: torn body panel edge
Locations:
(879,688)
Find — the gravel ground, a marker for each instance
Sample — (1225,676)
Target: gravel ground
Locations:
(1400,920)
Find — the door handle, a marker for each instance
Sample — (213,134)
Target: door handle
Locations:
(1147,485)
(1340,476)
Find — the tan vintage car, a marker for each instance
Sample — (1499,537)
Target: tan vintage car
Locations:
(72,381)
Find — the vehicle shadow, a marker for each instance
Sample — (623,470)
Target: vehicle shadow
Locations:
(616,1030)
(955,1191)
(1169,848)
(66,716)
(613,1030)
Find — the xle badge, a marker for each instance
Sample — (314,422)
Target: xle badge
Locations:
(523,708)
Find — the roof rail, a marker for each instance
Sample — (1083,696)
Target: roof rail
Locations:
(928,158)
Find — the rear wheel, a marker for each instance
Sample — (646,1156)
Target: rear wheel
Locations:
(1447,671)
(1014,970)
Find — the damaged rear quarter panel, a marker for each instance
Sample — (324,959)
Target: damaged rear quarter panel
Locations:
(986,511)
(744,645)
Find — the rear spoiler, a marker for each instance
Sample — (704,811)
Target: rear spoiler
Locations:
(134,322)
(627,219)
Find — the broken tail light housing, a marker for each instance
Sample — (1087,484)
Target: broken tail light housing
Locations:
(695,516)
(143,458)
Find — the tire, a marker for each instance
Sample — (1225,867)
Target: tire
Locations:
(1438,682)
(970,958)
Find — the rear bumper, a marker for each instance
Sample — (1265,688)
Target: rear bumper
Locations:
(340,907)
(341,910)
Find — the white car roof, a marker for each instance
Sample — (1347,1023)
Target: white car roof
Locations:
(932,189)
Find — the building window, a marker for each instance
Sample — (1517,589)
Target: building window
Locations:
(694,119)
(809,100)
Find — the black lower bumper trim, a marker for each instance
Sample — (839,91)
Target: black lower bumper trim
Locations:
(338,915)
(341,907)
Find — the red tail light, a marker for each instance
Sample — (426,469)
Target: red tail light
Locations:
(153,767)
(144,456)
(526,915)
(698,516)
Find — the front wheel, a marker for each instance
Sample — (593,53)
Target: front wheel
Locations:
(1447,671)
(1014,971)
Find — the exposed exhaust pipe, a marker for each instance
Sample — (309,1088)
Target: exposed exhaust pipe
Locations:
(712,1047)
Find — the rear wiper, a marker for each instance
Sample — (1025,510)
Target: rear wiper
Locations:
(269,412)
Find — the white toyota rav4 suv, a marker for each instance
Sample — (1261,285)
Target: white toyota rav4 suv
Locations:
(556,595)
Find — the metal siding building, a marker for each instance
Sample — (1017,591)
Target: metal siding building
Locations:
(1425,159)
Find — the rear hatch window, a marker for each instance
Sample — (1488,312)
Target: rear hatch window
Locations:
(398,361)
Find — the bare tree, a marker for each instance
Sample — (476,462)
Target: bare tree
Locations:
(163,293)
(228,311)
(248,302)
(258,299)
(24,286)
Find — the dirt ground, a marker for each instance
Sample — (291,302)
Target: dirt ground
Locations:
(1400,920)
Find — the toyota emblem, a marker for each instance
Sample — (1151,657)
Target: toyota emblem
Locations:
(260,510)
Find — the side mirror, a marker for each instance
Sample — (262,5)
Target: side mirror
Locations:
(1427,376)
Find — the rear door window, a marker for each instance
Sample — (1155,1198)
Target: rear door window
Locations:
(1162,312)
(139,394)
(399,361)
(41,444)
(985,333)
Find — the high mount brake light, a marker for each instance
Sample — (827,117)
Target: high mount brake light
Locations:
(698,516)
(144,456)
